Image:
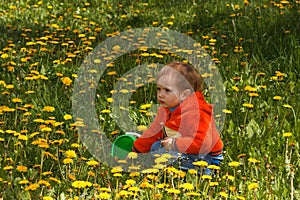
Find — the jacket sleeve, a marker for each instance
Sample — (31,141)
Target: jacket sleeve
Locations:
(152,134)
(198,133)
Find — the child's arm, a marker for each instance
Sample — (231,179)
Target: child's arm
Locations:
(198,134)
(152,134)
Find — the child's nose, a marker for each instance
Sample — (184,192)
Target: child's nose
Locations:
(160,93)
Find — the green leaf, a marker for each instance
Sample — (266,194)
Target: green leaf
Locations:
(253,129)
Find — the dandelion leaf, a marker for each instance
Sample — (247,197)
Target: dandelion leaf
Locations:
(253,129)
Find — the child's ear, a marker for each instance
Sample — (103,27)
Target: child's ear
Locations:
(185,94)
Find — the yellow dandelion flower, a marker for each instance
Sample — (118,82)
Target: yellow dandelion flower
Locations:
(154,23)
(90,173)
(116,47)
(7,109)
(132,155)
(287,106)
(97,61)
(43,182)
(43,145)
(173,191)
(150,171)
(48,109)
(71,177)
(187,186)
(22,137)
(279,74)
(212,40)
(124,91)
(92,163)
(112,73)
(4,55)
(253,160)
(105,111)
(104,195)
(145,54)
(162,185)
(193,194)
(81,184)
(22,168)
(134,189)
(223,194)
(66,81)
(232,188)
(61,132)
(17,100)
(46,129)
(250,89)
(253,94)
(142,128)
(67,116)
(145,184)
(123,193)
(215,167)
(246,2)
(32,187)
(47,173)
(206,177)
(248,105)
(226,111)
(145,106)
(109,100)
(10,87)
(71,154)
(39,120)
(161,160)
(75,145)
(212,184)
(130,182)
(200,163)
(288,134)
(277,98)
(274,78)
(47,198)
(252,186)
(262,86)
(234,164)
(105,189)
(134,174)
(117,175)
(192,171)
(229,177)
(9,167)
(68,161)
(116,169)
(23,182)
(2,83)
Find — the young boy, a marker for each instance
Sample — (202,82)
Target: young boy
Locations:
(184,125)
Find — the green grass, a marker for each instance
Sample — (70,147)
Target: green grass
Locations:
(41,43)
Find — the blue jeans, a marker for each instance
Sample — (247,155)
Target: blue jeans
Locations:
(185,161)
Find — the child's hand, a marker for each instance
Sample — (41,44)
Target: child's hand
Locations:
(167,143)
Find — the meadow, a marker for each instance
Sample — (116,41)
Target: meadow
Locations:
(253,44)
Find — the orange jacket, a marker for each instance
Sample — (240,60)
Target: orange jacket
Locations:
(193,119)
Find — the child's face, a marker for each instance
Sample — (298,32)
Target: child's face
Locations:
(168,93)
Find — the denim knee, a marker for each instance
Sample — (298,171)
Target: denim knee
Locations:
(156,146)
